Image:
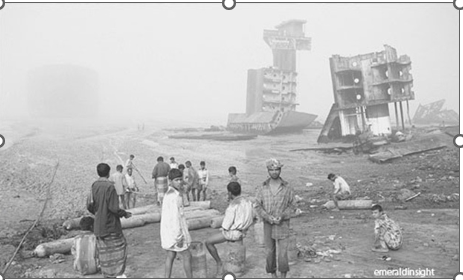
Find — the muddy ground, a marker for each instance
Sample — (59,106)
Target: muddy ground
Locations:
(430,222)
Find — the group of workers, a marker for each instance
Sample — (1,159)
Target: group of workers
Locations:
(274,203)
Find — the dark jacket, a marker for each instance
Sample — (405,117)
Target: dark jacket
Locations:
(106,208)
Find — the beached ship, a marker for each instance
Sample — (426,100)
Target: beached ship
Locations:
(271,91)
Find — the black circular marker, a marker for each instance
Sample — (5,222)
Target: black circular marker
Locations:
(228,8)
(228,273)
(455,140)
(455,5)
(1,7)
(455,276)
(1,276)
(2,142)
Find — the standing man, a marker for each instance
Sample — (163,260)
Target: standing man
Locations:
(120,184)
(275,203)
(203,175)
(193,182)
(173,164)
(160,171)
(110,241)
(341,189)
(130,195)
(129,162)
(175,237)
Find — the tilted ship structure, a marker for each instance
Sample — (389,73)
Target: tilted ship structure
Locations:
(271,92)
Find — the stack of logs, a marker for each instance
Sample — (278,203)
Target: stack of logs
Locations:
(198,215)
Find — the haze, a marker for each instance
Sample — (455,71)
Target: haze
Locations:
(188,62)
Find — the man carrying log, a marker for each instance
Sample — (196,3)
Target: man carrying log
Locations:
(175,237)
(341,189)
(275,203)
(238,218)
(160,171)
(387,232)
(110,241)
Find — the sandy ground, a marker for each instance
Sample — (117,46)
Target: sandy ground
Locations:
(431,226)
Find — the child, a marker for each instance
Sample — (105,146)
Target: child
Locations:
(341,189)
(387,233)
(232,172)
(174,229)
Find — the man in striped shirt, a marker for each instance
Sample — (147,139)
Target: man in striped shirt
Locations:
(275,204)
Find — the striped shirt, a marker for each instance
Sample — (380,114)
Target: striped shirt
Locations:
(281,204)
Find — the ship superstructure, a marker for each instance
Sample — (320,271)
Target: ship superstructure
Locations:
(271,91)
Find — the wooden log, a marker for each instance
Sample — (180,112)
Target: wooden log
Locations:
(217,222)
(201,214)
(149,218)
(134,221)
(350,204)
(203,204)
(61,246)
(144,209)
(199,223)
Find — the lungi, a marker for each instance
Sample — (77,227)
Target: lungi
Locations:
(161,187)
(112,254)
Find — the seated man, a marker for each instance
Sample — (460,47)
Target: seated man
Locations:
(341,189)
(387,232)
(238,218)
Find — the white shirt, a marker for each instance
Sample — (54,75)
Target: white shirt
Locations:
(340,185)
(173,222)
(173,165)
(239,215)
(203,176)
(130,181)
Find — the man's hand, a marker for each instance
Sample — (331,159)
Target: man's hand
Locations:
(277,220)
(128,215)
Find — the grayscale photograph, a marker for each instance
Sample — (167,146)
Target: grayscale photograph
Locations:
(229,140)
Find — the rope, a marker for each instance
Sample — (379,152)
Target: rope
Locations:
(35,223)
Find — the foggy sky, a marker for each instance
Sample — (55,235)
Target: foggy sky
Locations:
(189,61)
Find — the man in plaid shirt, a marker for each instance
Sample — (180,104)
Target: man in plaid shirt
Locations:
(388,234)
(275,204)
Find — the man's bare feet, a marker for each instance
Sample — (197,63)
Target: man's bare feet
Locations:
(274,275)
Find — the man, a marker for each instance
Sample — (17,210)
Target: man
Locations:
(120,184)
(387,232)
(175,237)
(110,241)
(341,189)
(160,171)
(192,183)
(232,172)
(275,203)
(173,164)
(130,195)
(203,175)
(238,218)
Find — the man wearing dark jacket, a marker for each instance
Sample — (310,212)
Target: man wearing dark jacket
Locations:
(110,241)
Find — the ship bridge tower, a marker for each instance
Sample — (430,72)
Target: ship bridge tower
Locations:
(274,88)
